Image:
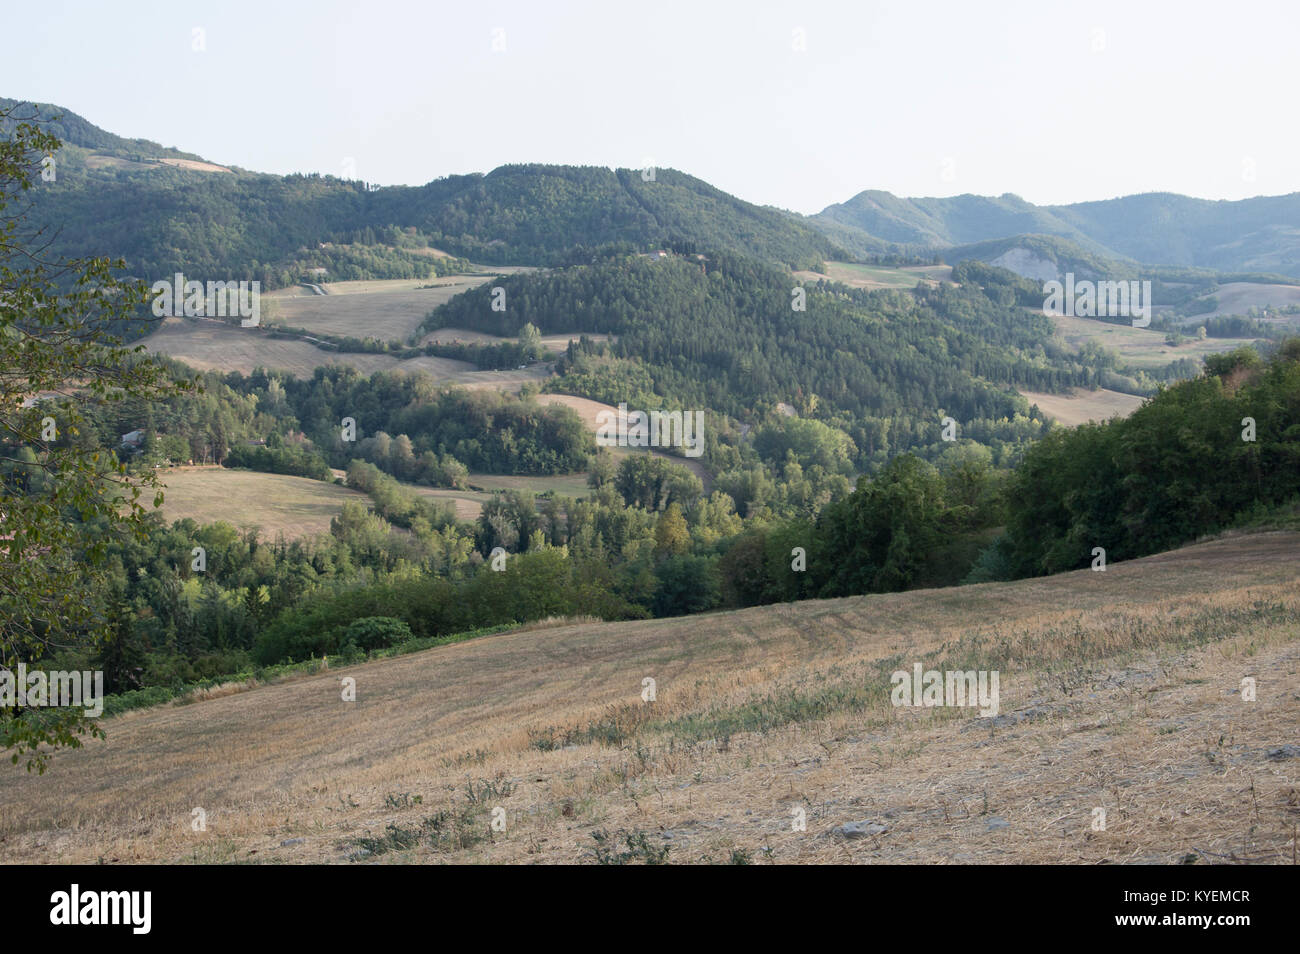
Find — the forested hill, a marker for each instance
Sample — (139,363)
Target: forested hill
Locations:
(75,130)
(722,332)
(127,198)
(535,213)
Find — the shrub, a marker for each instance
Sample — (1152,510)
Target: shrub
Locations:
(376,632)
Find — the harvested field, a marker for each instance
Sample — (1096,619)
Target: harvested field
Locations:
(387,310)
(878,276)
(1080,406)
(588,409)
(1139,347)
(295,507)
(216,346)
(1120,691)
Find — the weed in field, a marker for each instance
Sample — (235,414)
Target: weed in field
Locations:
(402,800)
(451,829)
(615,727)
(486,789)
(638,848)
(477,757)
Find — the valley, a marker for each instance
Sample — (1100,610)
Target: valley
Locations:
(443,615)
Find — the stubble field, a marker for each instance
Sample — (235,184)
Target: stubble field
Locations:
(1121,691)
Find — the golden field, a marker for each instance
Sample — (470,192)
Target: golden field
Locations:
(1120,690)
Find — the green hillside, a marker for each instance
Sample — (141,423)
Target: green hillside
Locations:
(72,129)
(163,219)
(722,332)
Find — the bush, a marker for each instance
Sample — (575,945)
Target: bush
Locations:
(137,699)
(376,632)
(994,563)
(686,584)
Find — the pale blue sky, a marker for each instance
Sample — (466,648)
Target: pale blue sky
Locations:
(1055,101)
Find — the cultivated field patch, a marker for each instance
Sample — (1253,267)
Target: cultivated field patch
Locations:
(1139,347)
(295,507)
(564,485)
(216,346)
(114,162)
(387,310)
(879,276)
(1237,298)
(468,503)
(1080,406)
(588,410)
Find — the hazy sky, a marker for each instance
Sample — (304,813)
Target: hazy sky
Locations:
(1054,101)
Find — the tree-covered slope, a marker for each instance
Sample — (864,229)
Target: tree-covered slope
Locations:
(536,213)
(941,222)
(1260,234)
(722,332)
(108,199)
(74,130)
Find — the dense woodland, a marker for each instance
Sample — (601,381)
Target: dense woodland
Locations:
(720,332)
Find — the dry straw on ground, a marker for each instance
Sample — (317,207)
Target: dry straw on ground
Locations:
(1120,691)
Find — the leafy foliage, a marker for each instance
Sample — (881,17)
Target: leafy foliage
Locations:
(63,500)
(1177,468)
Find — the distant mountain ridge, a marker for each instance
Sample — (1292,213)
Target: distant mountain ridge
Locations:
(1247,235)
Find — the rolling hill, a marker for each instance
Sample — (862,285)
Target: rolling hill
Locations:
(771,737)
(275,504)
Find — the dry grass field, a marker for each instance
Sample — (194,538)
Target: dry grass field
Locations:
(194,165)
(387,310)
(216,346)
(113,162)
(567,485)
(879,276)
(1080,406)
(299,508)
(1237,298)
(1120,691)
(296,507)
(1139,347)
(468,503)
